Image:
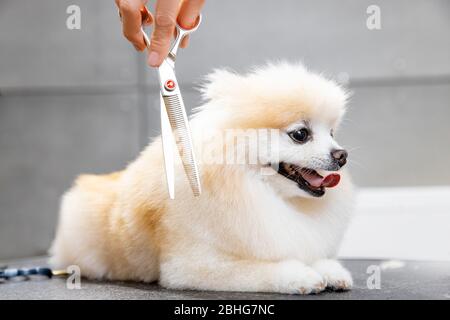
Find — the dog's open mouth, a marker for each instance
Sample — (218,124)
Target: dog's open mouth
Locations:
(308,179)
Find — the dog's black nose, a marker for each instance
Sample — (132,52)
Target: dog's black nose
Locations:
(340,156)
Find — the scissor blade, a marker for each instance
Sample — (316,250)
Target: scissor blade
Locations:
(180,127)
(168,144)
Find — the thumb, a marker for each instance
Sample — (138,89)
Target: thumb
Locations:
(161,39)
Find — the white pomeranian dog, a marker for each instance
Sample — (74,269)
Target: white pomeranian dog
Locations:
(270,225)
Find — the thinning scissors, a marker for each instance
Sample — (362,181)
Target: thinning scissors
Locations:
(174,121)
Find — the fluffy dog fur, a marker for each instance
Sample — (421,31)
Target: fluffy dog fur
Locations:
(247,231)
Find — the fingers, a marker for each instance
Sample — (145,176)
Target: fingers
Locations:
(166,12)
(134,14)
(130,11)
(187,17)
(146,16)
(185,42)
(189,12)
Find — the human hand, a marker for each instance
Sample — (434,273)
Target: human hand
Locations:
(167,13)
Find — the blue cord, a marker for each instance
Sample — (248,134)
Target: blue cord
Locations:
(6,274)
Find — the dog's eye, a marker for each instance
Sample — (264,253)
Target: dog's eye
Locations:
(332,133)
(300,135)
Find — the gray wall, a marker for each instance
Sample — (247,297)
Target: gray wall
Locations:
(83,100)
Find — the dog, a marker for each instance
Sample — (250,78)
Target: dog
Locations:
(270,226)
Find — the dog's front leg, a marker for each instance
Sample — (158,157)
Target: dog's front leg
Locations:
(336,276)
(289,276)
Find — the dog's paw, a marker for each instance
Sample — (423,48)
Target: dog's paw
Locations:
(294,277)
(337,277)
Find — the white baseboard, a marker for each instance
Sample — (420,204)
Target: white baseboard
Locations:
(400,223)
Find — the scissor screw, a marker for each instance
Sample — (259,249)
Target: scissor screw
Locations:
(169,85)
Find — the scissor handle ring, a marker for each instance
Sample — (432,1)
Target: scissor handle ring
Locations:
(195,27)
(181,32)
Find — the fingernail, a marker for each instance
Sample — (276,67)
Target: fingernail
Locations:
(189,22)
(193,20)
(153,59)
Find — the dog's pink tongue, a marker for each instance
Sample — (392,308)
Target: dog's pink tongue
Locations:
(331,180)
(318,181)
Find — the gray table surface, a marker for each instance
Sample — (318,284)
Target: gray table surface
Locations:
(412,280)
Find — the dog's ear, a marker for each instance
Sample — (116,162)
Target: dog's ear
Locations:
(219,84)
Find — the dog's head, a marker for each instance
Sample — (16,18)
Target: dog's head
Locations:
(305,110)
